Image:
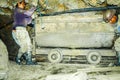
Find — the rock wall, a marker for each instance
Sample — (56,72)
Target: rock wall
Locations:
(6,36)
(3,60)
(6,6)
(3,56)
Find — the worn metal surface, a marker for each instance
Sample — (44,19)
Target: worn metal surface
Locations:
(73,32)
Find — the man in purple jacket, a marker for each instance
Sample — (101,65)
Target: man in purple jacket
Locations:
(22,18)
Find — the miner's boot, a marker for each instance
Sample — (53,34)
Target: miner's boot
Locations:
(24,56)
(29,59)
(18,61)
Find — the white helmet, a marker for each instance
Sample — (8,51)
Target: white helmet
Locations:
(109,15)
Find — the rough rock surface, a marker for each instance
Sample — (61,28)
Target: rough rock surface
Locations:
(43,71)
(3,61)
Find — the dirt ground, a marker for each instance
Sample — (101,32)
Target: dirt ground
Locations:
(38,72)
(41,71)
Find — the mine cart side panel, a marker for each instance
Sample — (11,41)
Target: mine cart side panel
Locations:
(76,52)
(73,32)
(81,40)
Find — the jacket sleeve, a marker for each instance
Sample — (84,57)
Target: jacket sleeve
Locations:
(30,11)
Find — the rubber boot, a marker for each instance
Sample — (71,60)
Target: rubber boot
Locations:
(24,56)
(18,61)
(29,59)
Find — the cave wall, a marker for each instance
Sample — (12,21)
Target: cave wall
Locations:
(6,36)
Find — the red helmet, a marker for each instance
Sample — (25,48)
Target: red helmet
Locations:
(110,16)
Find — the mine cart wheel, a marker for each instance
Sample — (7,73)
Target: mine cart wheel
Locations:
(94,57)
(55,56)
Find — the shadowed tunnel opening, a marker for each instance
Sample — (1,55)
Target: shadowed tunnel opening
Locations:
(6,35)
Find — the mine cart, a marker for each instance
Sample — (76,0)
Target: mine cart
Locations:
(82,38)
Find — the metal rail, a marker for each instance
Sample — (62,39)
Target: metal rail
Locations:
(81,10)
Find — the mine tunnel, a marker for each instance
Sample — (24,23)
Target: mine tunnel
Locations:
(6,22)
(63,26)
(6,36)
(6,16)
(46,8)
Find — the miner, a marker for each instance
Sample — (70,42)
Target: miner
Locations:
(22,18)
(111,16)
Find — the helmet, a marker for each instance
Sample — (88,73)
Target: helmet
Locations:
(113,19)
(110,16)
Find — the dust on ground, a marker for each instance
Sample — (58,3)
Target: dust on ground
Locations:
(41,71)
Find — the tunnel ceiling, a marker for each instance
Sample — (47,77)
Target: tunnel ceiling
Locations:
(6,6)
(49,6)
